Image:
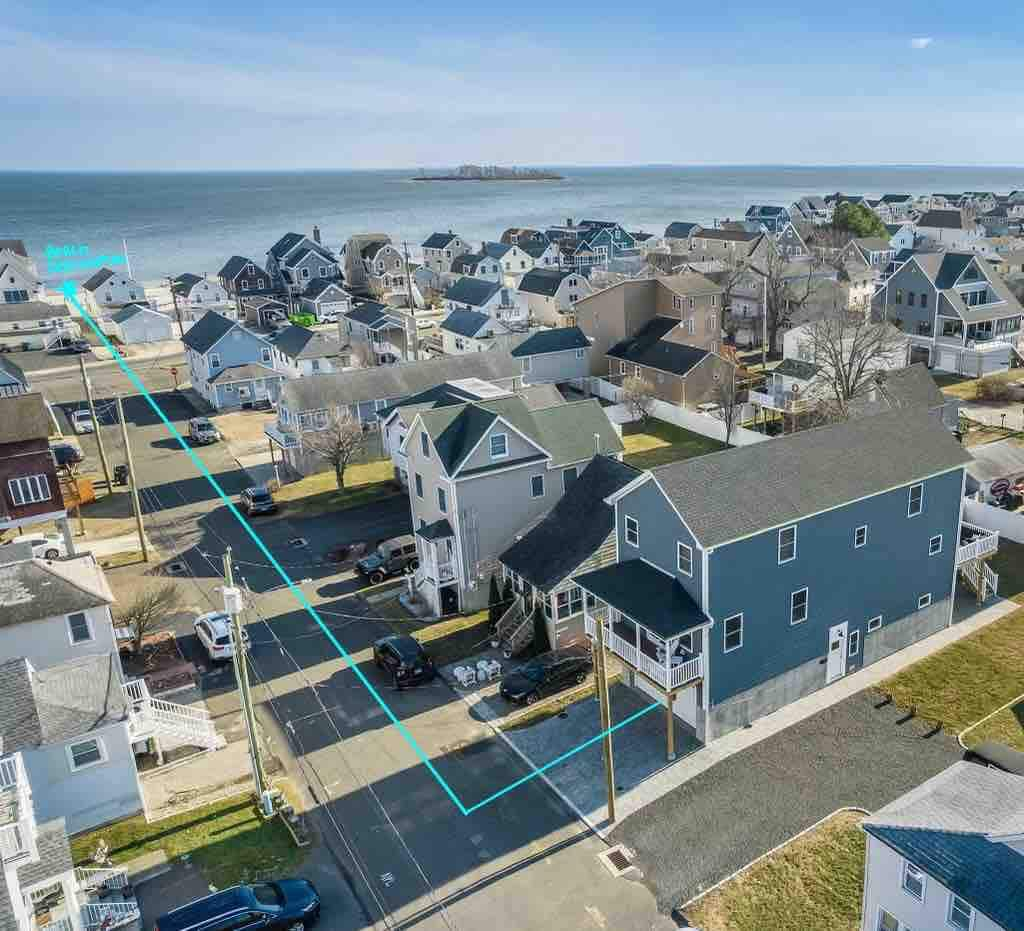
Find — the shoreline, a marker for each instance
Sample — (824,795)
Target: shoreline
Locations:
(455,178)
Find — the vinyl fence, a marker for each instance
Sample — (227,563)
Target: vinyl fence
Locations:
(1008,523)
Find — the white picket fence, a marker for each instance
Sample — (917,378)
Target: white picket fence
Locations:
(704,424)
(1009,524)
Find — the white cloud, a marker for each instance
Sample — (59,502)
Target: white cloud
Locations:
(921,42)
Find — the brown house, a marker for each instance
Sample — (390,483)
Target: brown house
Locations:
(29,489)
(666,330)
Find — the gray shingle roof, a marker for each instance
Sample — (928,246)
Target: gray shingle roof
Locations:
(679,229)
(472,291)
(739,492)
(944,219)
(438,530)
(572,531)
(370,314)
(24,417)
(912,386)
(184,283)
(1002,459)
(130,310)
(438,240)
(496,250)
(58,703)
(656,600)
(207,331)
(544,281)
(297,342)
(35,589)
(466,322)
(391,382)
(728,235)
(17,246)
(245,372)
(54,854)
(317,286)
(31,310)
(560,339)
(466,264)
(96,279)
(233,267)
(11,373)
(796,368)
(286,243)
(649,347)
(948,826)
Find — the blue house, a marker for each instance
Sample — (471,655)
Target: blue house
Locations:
(774,219)
(229,365)
(751,577)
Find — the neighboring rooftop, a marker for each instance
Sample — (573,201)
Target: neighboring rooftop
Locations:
(24,417)
(232,374)
(207,331)
(17,246)
(795,476)
(544,281)
(1001,459)
(34,589)
(648,347)
(234,266)
(467,322)
(557,339)
(297,343)
(31,310)
(472,291)
(132,310)
(97,278)
(944,219)
(438,240)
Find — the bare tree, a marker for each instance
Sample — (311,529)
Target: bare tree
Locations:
(149,606)
(363,356)
(787,287)
(638,393)
(726,395)
(850,350)
(338,443)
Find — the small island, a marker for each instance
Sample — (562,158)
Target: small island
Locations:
(490,173)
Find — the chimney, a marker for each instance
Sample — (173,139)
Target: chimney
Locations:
(316,234)
(597,444)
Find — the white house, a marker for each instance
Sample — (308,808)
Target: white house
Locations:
(19,280)
(299,352)
(948,855)
(441,249)
(953,229)
(548,296)
(485,297)
(901,235)
(106,291)
(470,331)
(139,323)
(193,295)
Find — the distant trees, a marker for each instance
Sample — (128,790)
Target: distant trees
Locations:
(858,220)
(787,288)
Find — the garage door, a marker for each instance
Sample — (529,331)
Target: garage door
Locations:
(685,705)
(948,360)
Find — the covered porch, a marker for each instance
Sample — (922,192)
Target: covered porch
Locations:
(649,621)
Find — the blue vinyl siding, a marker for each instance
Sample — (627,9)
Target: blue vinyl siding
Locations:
(845,584)
(660,529)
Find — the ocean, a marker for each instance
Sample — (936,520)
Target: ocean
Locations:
(192,222)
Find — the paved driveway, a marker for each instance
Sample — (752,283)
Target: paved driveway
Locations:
(858,753)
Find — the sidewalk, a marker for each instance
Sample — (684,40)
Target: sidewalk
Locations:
(125,543)
(686,769)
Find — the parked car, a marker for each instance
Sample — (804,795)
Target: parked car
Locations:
(202,431)
(66,454)
(390,558)
(81,420)
(330,317)
(405,659)
(258,500)
(69,344)
(546,674)
(998,756)
(44,545)
(214,633)
(278,905)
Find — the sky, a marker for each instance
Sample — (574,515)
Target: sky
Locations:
(193,85)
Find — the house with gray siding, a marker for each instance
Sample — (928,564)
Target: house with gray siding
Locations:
(326,300)
(740,580)
(948,854)
(440,250)
(106,290)
(229,365)
(379,332)
(559,354)
(295,260)
(241,276)
(959,315)
(465,331)
(139,323)
(480,472)
(302,352)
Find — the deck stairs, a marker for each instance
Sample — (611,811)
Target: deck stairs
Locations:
(173,724)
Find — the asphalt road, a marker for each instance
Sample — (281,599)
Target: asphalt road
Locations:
(405,856)
(859,753)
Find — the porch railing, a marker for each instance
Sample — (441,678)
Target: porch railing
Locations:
(14,840)
(90,879)
(779,401)
(673,677)
(107,915)
(985,543)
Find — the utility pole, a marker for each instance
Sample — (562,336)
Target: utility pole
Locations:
(132,483)
(412,349)
(764,322)
(233,606)
(95,424)
(177,310)
(601,674)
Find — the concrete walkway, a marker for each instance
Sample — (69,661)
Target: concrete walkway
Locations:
(125,543)
(723,748)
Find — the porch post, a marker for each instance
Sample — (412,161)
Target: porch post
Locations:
(668,662)
(670,730)
(602,688)
(636,629)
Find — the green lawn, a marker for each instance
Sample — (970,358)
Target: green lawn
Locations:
(814,882)
(318,494)
(656,443)
(446,641)
(228,841)
(969,679)
(1009,564)
(965,387)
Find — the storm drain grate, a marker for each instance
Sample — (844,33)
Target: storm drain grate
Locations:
(176,568)
(298,542)
(616,860)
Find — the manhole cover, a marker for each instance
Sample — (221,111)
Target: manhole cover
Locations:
(298,542)
(177,568)
(616,860)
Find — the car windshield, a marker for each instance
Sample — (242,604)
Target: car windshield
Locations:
(261,496)
(383,551)
(223,640)
(267,894)
(533,672)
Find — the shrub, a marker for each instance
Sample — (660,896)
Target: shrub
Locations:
(992,388)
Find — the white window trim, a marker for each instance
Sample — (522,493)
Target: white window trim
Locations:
(907,867)
(442,505)
(88,625)
(71,758)
(854,641)
(680,547)
(792,605)
(857,530)
(782,530)
(725,633)
(949,912)
(424,444)
(882,911)
(19,484)
(924,601)
(931,550)
(417,484)
(872,626)
(636,525)
(534,478)
(910,499)
(490,445)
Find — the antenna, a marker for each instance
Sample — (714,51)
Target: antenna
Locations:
(597,444)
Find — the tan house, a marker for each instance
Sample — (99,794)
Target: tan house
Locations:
(732,246)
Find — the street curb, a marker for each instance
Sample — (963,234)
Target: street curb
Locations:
(991,714)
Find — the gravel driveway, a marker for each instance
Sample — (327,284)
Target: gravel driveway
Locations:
(858,753)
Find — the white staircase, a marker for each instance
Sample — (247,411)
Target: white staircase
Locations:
(515,629)
(982,580)
(173,724)
(103,916)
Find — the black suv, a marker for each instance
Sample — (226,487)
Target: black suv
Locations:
(258,500)
(282,905)
(392,557)
(404,658)
(546,674)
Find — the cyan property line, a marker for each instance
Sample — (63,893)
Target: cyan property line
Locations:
(68,289)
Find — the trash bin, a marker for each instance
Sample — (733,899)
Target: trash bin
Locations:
(120,475)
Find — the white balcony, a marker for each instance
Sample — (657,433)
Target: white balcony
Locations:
(643,653)
(976,543)
(17,819)
(780,401)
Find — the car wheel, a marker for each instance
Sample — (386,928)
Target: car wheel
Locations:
(581,677)
(531,699)
(297,926)
(376,577)
(414,564)
(52,554)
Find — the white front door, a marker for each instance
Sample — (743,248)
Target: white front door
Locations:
(836,665)
(261,389)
